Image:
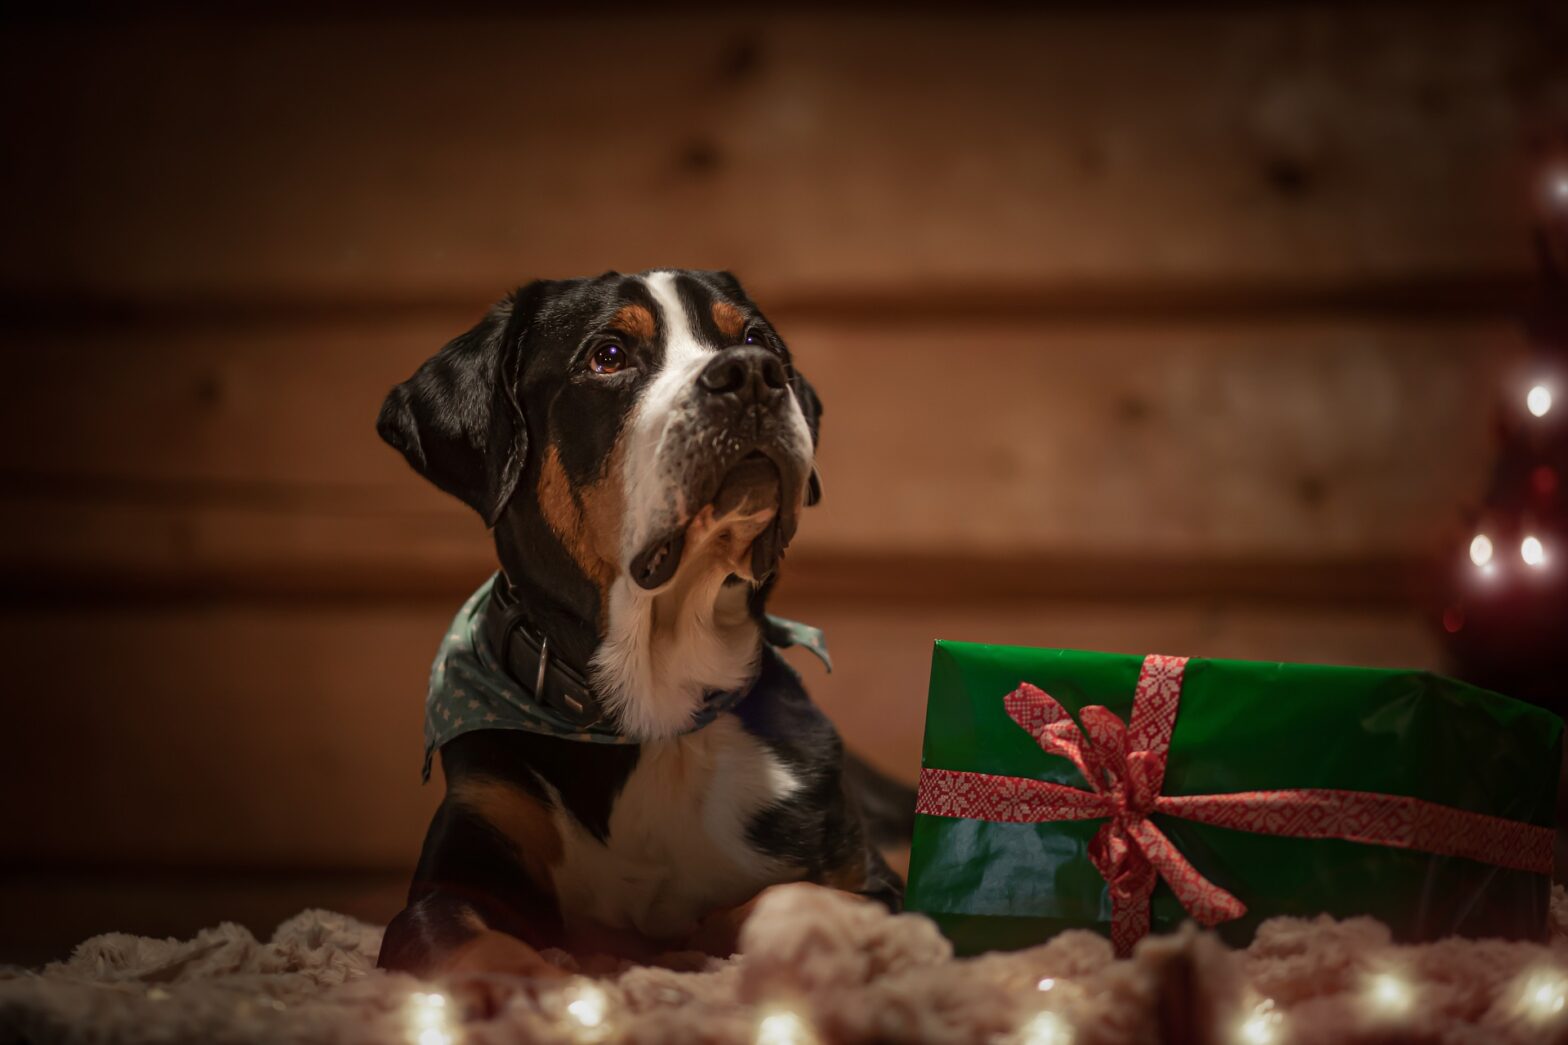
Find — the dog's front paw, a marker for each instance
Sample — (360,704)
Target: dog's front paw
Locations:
(492,951)
(483,974)
(719,933)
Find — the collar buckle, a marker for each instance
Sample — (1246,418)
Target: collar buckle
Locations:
(544,667)
(525,654)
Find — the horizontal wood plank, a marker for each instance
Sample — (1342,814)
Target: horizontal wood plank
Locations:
(1081,148)
(1306,439)
(289,736)
(189,449)
(211,558)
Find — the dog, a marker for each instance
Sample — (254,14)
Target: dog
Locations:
(641,447)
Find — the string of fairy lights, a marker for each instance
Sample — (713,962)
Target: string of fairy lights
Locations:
(1522,519)
(1535,1001)
(1532,548)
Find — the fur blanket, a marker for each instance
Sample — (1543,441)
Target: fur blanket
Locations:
(814,966)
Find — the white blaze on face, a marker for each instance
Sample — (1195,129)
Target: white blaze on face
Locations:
(662,427)
(664,650)
(664,441)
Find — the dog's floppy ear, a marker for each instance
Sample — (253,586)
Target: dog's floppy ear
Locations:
(457,420)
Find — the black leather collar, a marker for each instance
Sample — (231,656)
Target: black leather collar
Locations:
(525,655)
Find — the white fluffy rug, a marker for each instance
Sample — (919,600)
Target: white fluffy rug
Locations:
(814,966)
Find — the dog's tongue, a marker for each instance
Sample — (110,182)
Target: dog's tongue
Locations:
(657,563)
(757,471)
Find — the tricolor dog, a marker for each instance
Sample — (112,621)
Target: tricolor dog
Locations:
(628,759)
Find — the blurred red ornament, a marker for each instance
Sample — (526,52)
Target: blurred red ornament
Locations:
(1503,617)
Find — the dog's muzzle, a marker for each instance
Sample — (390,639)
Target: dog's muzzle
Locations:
(743,454)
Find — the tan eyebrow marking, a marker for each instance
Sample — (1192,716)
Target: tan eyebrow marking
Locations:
(730,320)
(635,320)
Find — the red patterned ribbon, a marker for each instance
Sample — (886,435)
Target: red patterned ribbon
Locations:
(1124,765)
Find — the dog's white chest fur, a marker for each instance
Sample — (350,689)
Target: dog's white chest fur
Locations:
(677,847)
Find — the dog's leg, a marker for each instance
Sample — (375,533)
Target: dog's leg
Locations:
(847,861)
(442,934)
(868,875)
(478,904)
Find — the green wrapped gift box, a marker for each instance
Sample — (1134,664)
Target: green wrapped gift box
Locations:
(1064,790)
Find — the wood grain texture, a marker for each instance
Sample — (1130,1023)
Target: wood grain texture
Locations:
(1139,327)
(289,736)
(402,157)
(198,450)
(1265,439)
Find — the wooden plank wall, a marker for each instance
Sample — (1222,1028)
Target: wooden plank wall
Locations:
(1139,327)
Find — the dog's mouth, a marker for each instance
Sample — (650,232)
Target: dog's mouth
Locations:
(753,501)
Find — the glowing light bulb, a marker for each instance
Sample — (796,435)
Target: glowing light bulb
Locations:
(1532,551)
(1544,995)
(588,1008)
(427,1019)
(1480,549)
(1045,984)
(1262,1025)
(1046,1028)
(1539,400)
(1547,999)
(1389,994)
(783,1028)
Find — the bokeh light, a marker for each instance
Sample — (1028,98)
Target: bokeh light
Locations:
(783,1027)
(1539,400)
(1480,549)
(1262,1025)
(1388,994)
(1544,996)
(428,1019)
(1532,551)
(588,1008)
(1046,1028)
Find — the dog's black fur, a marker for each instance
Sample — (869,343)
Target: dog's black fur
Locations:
(479,420)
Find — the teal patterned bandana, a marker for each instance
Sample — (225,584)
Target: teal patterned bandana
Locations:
(469,690)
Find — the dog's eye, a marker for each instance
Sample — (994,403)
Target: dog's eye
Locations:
(608,358)
(756,336)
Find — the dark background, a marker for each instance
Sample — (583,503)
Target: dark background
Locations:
(1143,327)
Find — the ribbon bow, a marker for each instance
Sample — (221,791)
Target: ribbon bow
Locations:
(1124,767)
(1124,786)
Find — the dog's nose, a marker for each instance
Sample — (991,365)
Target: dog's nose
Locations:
(751,374)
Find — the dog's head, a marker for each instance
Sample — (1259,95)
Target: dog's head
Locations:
(653,425)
